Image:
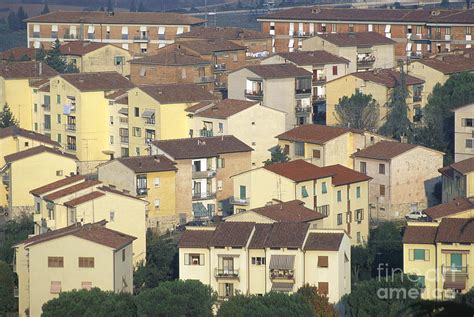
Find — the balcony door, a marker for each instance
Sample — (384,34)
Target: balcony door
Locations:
(456,262)
(228,265)
(197,188)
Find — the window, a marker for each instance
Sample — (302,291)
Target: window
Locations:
(86,262)
(156,181)
(339,219)
(221,127)
(58,119)
(382,190)
(59,138)
(363,167)
(226,290)
(299,148)
(468,30)
(324,188)
(157,204)
(468,122)
(334,70)
(358,237)
(220,163)
(58,99)
(137,132)
(59,173)
(323,261)
(418,30)
(112,216)
(86,285)
(118,60)
(358,192)
(55,287)
(136,111)
(304,192)
(219,186)
(381,168)
(111,139)
(339,196)
(55,261)
(349,217)
(323,288)
(324,209)
(469,143)
(351,28)
(316,154)
(359,215)
(286,149)
(193,259)
(243,192)
(420,255)
(258,260)
(448,31)
(334,28)
(123,255)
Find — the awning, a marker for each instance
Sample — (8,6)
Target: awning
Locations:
(148,113)
(282,262)
(199,210)
(455,280)
(282,287)
(123,111)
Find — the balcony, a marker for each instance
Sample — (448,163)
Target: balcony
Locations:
(226,273)
(204,79)
(124,139)
(16,293)
(71,147)
(70,127)
(204,196)
(303,91)
(239,201)
(141,39)
(319,80)
(282,275)
(455,277)
(6,179)
(206,133)
(319,99)
(447,270)
(303,111)
(142,191)
(220,67)
(254,94)
(46,107)
(203,174)
(123,121)
(70,37)
(417,98)
(302,34)
(366,62)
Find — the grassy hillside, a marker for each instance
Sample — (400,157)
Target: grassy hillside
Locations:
(9,39)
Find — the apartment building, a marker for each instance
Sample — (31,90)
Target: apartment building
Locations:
(364,50)
(90,57)
(258,44)
(15,77)
(416,32)
(158,112)
(403,175)
(324,67)
(379,83)
(15,139)
(151,178)
(464,133)
(119,129)
(27,169)
(205,164)
(250,258)
(81,119)
(339,193)
(458,180)
(138,32)
(77,199)
(250,122)
(459,207)
(440,254)
(283,87)
(76,257)
(325,145)
(41,106)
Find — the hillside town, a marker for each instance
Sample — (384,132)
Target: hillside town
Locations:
(155,165)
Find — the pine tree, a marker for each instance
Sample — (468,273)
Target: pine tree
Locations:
(13,23)
(133,6)
(22,16)
(55,59)
(110,6)
(278,156)
(6,118)
(46,8)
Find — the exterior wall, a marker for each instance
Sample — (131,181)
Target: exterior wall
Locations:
(102,60)
(164,217)
(195,272)
(463,133)
(421,268)
(141,74)
(19,103)
(22,270)
(39,110)
(123,269)
(429,75)
(184,179)
(116,174)
(257,285)
(457,185)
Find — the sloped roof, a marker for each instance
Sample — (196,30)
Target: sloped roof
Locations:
(83,199)
(172,56)
(24,70)
(299,170)
(207,47)
(80,48)
(287,235)
(420,234)
(456,230)
(278,71)
(290,211)
(464,167)
(220,109)
(385,150)
(344,175)
(313,133)
(35,151)
(232,234)
(15,131)
(195,238)
(314,58)
(101,81)
(226,33)
(449,64)
(177,93)
(387,77)
(72,189)
(148,163)
(323,241)
(18,53)
(357,39)
(57,184)
(455,206)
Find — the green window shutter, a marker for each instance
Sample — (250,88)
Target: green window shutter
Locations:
(358,191)
(419,255)
(339,195)
(243,192)
(456,261)
(201,259)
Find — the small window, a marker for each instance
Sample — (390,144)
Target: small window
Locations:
(381,168)
(194,259)
(59,138)
(286,149)
(137,132)
(86,285)
(358,192)
(112,216)
(157,204)
(382,190)
(358,237)
(339,219)
(86,262)
(58,99)
(156,181)
(220,162)
(469,143)
(359,213)
(324,188)
(420,255)
(468,30)
(316,154)
(55,287)
(118,60)
(334,70)
(258,260)
(55,261)
(136,111)
(323,288)
(304,192)
(323,261)
(58,118)
(351,27)
(339,196)
(123,255)
(363,167)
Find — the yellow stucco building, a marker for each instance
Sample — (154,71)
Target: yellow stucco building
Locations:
(75,257)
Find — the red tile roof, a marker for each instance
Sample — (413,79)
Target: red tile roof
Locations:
(290,211)
(449,64)
(177,93)
(385,150)
(80,48)
(323,241)
(387,77)
(103,81)
(278,71)
(26,70)
(299,170)
(286,235)
(57,184)
(172,56)
(420,234)
(35,151)
(313,58)
(226,33)
(118,192)
(260,236)
(357,39)
(71,190)
(456,230)
(17,53)
(221,109)
(313,133)
(195,238)
(455,206)
(15,131)
(208,47)
(148,163)
(344,175)
(463,167)
(232,234)
(83,199)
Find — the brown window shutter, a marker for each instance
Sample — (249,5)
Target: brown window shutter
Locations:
(323,261)
(316,154)
(286,149)
(323,288)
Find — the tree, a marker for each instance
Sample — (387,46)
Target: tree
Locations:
(397,125)
(45,8)
(161,263)
(386,249)
(13,23)
(8,303)
(319,303)
(269,305)
(278,156)
(133,6)
(176,298)
(22,16)
(6,117)
(91,303)
(56,60)
(359,111)
(361,263)
(110,6)
(15,231)
(141,7)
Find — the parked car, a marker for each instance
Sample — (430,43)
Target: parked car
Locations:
(416,215)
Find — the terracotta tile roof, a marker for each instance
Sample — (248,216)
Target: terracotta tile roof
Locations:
(201,147)
(38,83)
(449,64)
(102,17)
(225,33)
(232,234)
(103,81)
(287,235)
(177,93)
(57,184)
(456,230)
(314,58)
(221,109)
(172,55)
(83,199)
(323,241)
(35,151)
(71,190)
(17,53)
(313,133)
(464,167)
(344,175)
(372,15)
(278,71)
(95,232)
(455,206)
(208,47)
(290,211)
(24,70)
(15,131)
(195,238)
(357,39)
(260,236)
(80,48)
(117,94)
(118,192)
(386,77)
(420,234)
(148,163)
(385,150)
(299,170)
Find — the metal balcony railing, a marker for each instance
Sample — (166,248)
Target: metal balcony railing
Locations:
(141,38)
(142,191)
(204,174)
(202,196)
(240,201)
(220,67)
(70,127)
(204,79)
(206,133)
(226,273)
(254,94)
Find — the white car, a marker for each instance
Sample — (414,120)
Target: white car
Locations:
(416,215)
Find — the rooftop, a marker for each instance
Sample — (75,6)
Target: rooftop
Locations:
(83,199)
(226,33)
(177,93)
(420,234)
(323,241)
(191,148)
(386,77)
(207,47)
(314,58)
(35,151)
(314,133)
(57,184)
(232,234)
(464,167)
(220,109)
(359,39)
(101,81)
(26,70)
(80,48)
(290,211)
(71,189)
(148,163)
(19,132)
(17,53)
(449,230)
(172,56)
(459,204)
(103,17)
(449,64)
(278,71)
(385,150)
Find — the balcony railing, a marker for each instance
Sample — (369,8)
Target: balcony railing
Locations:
(206,133)
(282,275)
(254,94)
(320,98)
(365,63)
(70,37)
(204,79)
(226,273)
(123,120)
(453,270)
(303,110)
(240,201)
(141,38)
(70,127)
(142,191)
(220,67)
(71,147)
(204,174)
(124,139)
(303,91)
(150,120)
(203,196)
(319,80)
(46,107)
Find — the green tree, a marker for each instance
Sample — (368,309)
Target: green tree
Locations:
(361,263)
(45,8)
(15,231)
(397,125)
(91,303)
(161,263)
(110,6)
(13,23)
(56,60)
(386,249)
(176,298)
(8,303)
(278,155)
(358,111)
(6,117)
(22,16)
(318,303)
(133,6)
(269,305)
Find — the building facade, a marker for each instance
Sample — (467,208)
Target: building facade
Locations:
(464,133)
(458,180)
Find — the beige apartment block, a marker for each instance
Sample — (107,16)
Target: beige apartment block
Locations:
(75,199)
(249,121)
(403,177)
(458,180)
(250,258)
(464,133)
(75,257)
(440,254)
(339,193)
